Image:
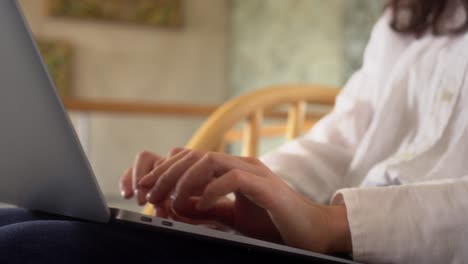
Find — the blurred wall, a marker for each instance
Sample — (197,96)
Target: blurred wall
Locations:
(277,41)
(358,20)
(298,41)
(129,62)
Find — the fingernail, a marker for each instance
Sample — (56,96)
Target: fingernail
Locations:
(123,193)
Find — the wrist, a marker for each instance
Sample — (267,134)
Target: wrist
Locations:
(339,231)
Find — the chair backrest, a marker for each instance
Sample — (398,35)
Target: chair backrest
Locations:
(254,107)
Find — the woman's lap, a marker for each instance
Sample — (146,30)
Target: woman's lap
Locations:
(13,216)
(28,237)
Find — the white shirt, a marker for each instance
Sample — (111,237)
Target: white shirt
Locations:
(396,147)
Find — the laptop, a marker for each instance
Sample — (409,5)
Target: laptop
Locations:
(42,164)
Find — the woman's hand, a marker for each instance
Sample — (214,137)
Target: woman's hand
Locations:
(193,185)
(144,163)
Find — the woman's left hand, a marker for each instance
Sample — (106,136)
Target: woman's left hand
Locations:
(265,207)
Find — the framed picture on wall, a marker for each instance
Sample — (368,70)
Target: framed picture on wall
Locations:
(158,13)
(58,56)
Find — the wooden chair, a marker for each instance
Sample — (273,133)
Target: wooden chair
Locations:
(253,108)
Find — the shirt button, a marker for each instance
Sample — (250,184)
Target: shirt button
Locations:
(446,96)
(408,156)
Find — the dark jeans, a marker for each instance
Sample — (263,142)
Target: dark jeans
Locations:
(27,237)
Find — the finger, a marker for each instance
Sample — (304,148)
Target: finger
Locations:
(167,181)
(256,189)
(221,212)
(163,209)
(126,184)
(250,160)
(175,151)
(160,212)
(149,179)
(212,165)
(143,164)
(146,190)
(158,162)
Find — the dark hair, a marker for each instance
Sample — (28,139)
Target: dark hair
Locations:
(418,17)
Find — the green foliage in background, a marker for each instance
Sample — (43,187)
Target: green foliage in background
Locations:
(58,57)
(165,13)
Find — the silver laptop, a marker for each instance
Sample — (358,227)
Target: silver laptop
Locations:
(42,164)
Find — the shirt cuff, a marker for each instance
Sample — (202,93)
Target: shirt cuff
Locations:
(370,237)
(406,224)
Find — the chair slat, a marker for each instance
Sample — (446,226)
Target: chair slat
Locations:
(251,135)
(222,146)
(296,119)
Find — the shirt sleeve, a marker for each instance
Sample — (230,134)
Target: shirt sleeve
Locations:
(316,163)
(420,223)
